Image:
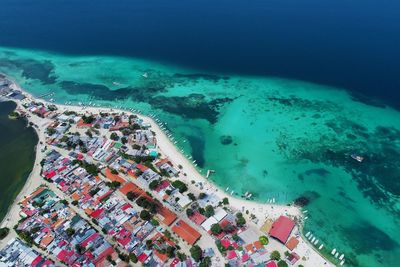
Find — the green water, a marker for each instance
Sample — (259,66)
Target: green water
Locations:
(17,155)
(276,138)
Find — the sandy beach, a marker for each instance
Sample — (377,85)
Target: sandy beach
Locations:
(188,173)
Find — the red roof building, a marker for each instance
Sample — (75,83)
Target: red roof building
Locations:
(282,228)
(271,264)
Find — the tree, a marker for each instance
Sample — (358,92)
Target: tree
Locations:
(191,196)
(154,184)
(124,140)
(206,262)
(196,253)
(189,212)
(264,240)
(240,220)
(75,202)
(181,256)
(225,201)
(133,257)
(70,231)
(114,137)
(4,232)
(275,255)
(170,252)
(282,263)
(202,195)
(181,186)
(130,195)
(51,131)
(229,228)
(209,211)
(149,244)
(145,215)
(216,229)
(114,171)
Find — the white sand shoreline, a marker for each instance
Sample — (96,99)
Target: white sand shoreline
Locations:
(262,211)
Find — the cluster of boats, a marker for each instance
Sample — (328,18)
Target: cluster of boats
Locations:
(314,241)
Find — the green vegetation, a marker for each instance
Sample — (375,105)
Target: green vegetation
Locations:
(13,115)
(89,167)
(225,201)
(240,220)
(113,184)
(202,195)
(191,196)
(114,137)
(133,257)
(147,204)
(130,195)
(145,215)
(51,131)
(216,229)
(70,231)
(275,255)
(4,232)
(189,212)
(181,186)
(154,222)
(123,257)
(75,202)
(196,253)
(181,256)
(209,211)
(205,262)
(170,252)
(264,240)
(114,171)
(88,119)
(282,263)
(154,184)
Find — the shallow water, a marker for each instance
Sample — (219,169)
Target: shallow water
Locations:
(17,156)
(275,138)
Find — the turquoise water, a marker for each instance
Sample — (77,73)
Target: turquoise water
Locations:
(276,138)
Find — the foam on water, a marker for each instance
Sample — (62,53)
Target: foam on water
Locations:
(276,138)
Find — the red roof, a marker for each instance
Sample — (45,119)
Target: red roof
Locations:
(198,218)
(231,254)
(282,228)
(271,264)
(97,213)
(142,257)
(36,260)
(142,167)
(225,243)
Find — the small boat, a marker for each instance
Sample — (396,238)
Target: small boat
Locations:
(337,254)
(342,262)
(316,242)
(341,257)
(333,251)
(232,192)
(313,239)
(320,247)
(357,157)
(308,233)
(249,196)
(145,75)
(226,190)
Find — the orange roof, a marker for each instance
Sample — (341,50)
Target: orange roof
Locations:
(88,211)
(46,241)
(34,194)
(168,216)
(258,245)
(129,186)
(113,177)
(186,232)
(57,223)
(292,243)
(249,248)
(162,257)
(75,196)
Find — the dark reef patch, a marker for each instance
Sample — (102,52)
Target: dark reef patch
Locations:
(358,97)
(306,198)
(366,238)
(226,139)
(304,104)
(32,69)
(319,171)
(194,106)
(197,146)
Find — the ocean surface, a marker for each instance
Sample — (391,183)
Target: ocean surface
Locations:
(17,155)
(273,95)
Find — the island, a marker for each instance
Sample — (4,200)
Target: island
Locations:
(109,188)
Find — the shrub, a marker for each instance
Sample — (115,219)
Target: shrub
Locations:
(282,263)
(264,240)
(275,255)
(4,232)
(196,253)
(216,229)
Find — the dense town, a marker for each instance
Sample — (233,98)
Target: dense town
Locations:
(109,197)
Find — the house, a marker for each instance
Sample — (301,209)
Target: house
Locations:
(186,232)
(282,228)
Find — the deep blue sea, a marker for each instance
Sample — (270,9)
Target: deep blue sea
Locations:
(353,44)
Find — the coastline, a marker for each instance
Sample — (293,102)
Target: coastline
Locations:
(167,149)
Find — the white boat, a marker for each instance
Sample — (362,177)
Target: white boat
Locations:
(313,239)
(145,75)
(311,236)
(333,251)
(320,247)
(341,257)
(232,192)
(316,242)
(341,263)
(305,218)
(226,190)
(250,195)
(308,233)
(337,254)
